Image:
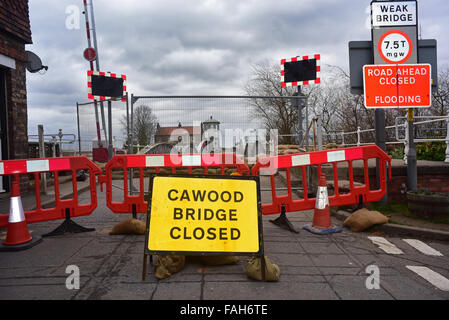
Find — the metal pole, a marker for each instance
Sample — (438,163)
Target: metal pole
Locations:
(299,105)
(412,177)
(86,15)
(306,104)
(319,133)
(131,174)
(110,147)
(379,118)
(132,123)
(78,124)
(60,135)
(97,64)
(127,123)
(406,143)
(447,140)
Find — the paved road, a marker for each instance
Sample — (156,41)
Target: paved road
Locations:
(312,266)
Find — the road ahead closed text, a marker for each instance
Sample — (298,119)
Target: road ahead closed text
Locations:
(203,215)
(399,86)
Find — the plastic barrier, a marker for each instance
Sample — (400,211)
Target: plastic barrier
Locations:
(63,208)
(286,203)
(136,203)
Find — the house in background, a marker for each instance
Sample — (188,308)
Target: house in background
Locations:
(15,33)
(207,134)
(169,134)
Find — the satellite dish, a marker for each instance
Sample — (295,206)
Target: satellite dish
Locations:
(34,63)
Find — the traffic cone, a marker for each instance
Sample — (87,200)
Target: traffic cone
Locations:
(18,237)
(322,216)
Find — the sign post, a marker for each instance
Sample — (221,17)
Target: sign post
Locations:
(203,215)
(106,86)
(395,41)
(298,71)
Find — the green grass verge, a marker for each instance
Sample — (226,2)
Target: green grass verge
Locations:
(402,208)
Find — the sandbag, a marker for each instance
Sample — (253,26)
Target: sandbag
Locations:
(129,226)
(254,270)
(288,151)
(287,146)
(166,265)
(363,219)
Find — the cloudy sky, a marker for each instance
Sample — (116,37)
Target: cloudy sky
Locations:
(192,47)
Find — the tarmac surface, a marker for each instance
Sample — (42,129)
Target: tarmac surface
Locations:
(329,267)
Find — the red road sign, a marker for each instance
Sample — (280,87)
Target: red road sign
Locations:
(397,86)
(90,54)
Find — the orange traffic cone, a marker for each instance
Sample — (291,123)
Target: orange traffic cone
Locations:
(322,216)
(18,237)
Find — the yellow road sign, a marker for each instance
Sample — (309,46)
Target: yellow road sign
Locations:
(204,214)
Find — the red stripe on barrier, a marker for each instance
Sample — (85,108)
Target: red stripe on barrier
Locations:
(210,160)
(136,161)
(59,164)
(173,160)
(318,157)
(283,162)
(353,154)
(12,167)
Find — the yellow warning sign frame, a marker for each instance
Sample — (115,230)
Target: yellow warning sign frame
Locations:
(201,214)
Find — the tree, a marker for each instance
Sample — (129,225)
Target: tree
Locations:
(144,125)
(274,113)
(332,101)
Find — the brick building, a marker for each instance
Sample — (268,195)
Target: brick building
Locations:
(15,33)
(166,134)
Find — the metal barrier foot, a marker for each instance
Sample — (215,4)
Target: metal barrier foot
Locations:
(322,231)
(359,205)
(283,222)
(68,226)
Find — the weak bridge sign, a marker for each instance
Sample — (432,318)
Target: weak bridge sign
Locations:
(204,214)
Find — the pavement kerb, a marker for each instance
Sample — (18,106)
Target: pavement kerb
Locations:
(396,229)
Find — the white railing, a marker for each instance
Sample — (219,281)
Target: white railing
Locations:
(318,135)
(431,119)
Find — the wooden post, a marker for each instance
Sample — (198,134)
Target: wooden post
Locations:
(40,132)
